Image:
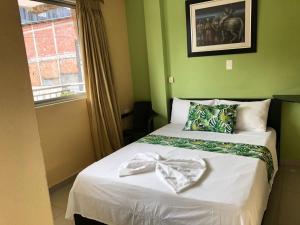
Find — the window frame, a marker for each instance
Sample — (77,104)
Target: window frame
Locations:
(58,100)
(77,96)
(64,3)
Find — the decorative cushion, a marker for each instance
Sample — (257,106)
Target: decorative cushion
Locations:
(216,118)
(180,109)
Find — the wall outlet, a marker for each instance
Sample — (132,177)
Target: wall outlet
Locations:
(229,65)
(171,80)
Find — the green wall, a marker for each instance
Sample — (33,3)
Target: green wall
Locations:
(290,132)
(158,72)
(274,69)
(138,49)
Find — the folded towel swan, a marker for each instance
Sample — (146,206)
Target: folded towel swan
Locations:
(179,174)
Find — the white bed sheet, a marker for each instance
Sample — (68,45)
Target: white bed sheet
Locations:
(233,191)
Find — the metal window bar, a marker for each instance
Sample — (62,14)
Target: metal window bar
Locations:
(51,92)
(64,3)
(53,14)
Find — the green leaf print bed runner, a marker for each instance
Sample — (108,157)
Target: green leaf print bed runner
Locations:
(247,150)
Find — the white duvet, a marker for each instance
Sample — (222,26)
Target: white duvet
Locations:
(233,190)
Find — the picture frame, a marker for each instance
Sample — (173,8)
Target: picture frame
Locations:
(219,27)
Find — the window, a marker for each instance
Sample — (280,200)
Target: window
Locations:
(52,48)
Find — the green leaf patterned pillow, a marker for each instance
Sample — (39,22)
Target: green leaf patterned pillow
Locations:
(214,118)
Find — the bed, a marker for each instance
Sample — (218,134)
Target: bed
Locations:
(233,191)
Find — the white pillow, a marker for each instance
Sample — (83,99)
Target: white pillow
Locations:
(180,109)
(251,116)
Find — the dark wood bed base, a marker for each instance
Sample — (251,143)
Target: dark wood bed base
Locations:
(274,121)
(80,220)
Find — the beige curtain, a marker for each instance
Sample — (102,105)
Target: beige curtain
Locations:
(102,103)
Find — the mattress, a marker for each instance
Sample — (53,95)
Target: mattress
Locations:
(233,191)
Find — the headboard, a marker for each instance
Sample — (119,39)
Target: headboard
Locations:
(274,117)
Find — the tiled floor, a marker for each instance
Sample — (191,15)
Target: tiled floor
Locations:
(59,198)
(283,207)
(284,202)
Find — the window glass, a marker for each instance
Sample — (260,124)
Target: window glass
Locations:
(52,48)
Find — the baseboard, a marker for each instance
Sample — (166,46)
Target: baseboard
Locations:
(288,162)
(67,180)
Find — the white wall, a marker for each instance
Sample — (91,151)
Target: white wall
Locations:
(64,127)
(116,26)
(66,139)
(24,198)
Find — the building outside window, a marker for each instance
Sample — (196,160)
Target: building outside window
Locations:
(52,48)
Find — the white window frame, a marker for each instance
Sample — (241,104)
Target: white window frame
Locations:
(77,96)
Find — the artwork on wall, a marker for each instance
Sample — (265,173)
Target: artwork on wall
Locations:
(220,27)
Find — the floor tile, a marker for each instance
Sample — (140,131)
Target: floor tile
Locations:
(56,212)
(271,214)
(59,200)
(291,181)
(289,213)
(62,221)
(59,197)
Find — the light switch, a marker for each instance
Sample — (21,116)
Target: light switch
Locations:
(171,80)
(229,65)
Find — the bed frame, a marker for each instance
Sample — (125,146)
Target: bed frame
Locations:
(274,121)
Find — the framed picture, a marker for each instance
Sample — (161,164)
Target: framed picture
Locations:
(221,27)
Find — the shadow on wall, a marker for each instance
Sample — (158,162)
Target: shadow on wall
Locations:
(290,147)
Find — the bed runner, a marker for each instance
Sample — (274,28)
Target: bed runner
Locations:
(247,150)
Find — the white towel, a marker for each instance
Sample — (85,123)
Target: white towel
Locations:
(179,174)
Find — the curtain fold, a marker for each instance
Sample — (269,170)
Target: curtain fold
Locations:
(104,114)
